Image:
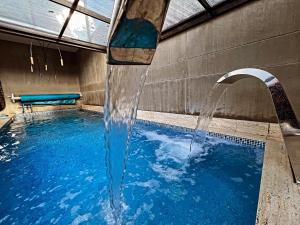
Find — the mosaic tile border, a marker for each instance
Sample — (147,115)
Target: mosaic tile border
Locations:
(238,140)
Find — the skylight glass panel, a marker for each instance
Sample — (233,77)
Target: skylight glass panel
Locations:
(88,29)
(102,7)
(214,2)
(42,15)
(180,10)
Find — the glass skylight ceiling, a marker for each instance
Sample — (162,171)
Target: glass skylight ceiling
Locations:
(86,28)
(180,10)
(49,17)
(41,15)
(89,24)
(103,7)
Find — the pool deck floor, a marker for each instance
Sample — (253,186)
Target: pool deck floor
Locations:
(279,197)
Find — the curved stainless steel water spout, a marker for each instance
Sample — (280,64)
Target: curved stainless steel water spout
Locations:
(286,117)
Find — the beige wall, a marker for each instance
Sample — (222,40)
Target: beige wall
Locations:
(17,78)
(92,76)
(263,34)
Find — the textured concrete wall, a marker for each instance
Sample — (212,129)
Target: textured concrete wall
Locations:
(17,78)
(92,76)
(264,34)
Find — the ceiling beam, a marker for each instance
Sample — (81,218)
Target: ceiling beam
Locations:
(202,17)
(83,10)
(72,9)
(206,6)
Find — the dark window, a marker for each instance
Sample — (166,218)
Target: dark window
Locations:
(2,100)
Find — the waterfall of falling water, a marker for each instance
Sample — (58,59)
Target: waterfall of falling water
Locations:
(207,111)
(124,85)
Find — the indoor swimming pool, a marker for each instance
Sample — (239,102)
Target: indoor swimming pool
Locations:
(52,171)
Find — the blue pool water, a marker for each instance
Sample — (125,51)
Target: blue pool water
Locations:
(52,171)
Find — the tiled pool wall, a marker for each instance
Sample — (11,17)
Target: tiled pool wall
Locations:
(235,139)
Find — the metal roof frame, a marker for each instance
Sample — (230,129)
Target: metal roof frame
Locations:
(209,13)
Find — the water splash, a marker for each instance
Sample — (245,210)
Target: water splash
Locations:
(124,86)
(207,111)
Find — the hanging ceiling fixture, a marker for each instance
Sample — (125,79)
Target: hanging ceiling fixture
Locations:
(61,59)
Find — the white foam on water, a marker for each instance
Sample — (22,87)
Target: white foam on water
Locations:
(81,218)
(175,148)
(168,173)
(107,212)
